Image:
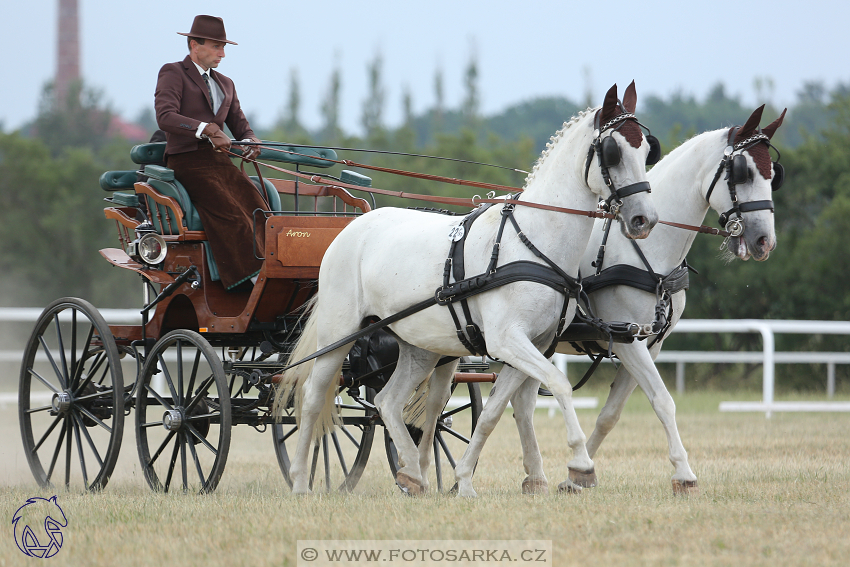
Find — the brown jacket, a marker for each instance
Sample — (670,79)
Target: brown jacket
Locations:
(182,103)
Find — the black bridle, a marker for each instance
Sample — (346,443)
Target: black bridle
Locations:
(737,172)
(608,155)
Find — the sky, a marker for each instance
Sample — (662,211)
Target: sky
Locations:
(524,50)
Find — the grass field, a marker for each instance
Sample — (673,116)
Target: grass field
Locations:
(773,492)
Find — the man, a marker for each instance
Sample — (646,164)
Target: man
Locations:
(193,102)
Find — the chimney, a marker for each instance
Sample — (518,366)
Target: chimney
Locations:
(68,49)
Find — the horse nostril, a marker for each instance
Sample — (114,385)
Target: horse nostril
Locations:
(762,242)
(639,222)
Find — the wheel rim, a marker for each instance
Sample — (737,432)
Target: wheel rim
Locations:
(339,458)
(182,424)
(71,398)
(449,442)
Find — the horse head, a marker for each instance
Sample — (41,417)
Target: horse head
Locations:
(622,154)
(746,209)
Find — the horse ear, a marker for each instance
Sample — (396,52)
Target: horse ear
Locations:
(771,128)
(749,127)
(630,98)
(609,107)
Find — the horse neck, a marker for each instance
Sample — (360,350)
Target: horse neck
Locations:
(679,183)
(558,180)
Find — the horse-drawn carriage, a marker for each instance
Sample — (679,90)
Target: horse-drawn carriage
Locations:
(205,358)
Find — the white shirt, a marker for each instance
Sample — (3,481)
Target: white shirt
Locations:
(217,96)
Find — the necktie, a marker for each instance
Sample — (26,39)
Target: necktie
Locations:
(209,90)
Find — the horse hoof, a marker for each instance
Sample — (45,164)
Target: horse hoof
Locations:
(408,484)
(536,486)
(585,479)
(685,488)
(569,488)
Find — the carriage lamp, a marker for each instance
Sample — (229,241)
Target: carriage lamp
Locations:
(149,247)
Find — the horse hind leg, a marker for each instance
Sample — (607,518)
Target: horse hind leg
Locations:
(317,407)
(524,401)
(414,366)
(439,392)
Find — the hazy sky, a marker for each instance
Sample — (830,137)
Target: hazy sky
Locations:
(525,49)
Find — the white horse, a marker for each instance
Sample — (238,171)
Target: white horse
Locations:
(389,259)
(685,184)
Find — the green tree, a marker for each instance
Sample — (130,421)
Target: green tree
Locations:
(81,120)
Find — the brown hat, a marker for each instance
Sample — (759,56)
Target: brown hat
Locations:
(208,27)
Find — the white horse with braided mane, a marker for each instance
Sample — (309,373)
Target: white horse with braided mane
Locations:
(685,184)
(389,259)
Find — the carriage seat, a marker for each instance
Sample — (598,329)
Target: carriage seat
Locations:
(153,152)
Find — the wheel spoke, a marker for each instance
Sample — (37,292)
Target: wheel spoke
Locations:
(161,448)
(173,462)
(42,380)
(77,368)
(179,370)
(76,427)
(201,416)
(42,408)
(327,458)
(339,453)
(167,374)
(68,444)
(151,424)
(56,452)
(183,440)
(202,391)
(99,359)
(62,351)
(441,427)
(445,447)
(73,347)
(94,418)
(159,398)
(200,438)
(288,434)
(191,377)
(46,433)
(103,393)
(456,410)
(80,424)
(313,464)
(197,464)
(52,362)
(350,436)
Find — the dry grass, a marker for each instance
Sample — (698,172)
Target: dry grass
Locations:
(774,492)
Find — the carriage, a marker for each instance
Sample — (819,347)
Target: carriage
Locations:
(206,359)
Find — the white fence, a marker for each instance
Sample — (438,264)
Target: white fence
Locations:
(768,357)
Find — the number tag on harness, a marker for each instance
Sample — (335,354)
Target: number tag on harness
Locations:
(456,233)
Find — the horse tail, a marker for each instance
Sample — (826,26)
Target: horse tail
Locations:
(289,394)
(413,413)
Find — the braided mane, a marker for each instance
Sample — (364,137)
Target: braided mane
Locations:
(553,141)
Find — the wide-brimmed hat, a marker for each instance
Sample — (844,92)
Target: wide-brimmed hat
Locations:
(209,27)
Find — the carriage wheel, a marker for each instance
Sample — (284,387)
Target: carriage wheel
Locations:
(182,421)
(338,459)
(71,392)
(449,443)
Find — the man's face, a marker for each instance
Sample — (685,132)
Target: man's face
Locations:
(208,55)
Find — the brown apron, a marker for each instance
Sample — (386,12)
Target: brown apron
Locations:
(226,201)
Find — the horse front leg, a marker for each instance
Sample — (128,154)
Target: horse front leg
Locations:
(414,366)
(621,390)
(524,401)
(439,392)
(506,384)
(638,360)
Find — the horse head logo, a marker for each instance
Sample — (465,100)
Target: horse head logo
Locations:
(38,527)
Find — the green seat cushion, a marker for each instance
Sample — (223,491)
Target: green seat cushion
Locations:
(211,264)
(162,179)
(148,153)
(354,178)
(125,199)
(271,193)
(299,155)
(114,180)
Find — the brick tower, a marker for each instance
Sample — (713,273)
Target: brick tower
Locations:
(68,48)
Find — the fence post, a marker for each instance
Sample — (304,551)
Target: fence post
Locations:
(680,377)
(830,379)
(768,367)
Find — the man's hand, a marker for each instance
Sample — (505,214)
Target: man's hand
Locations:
(251,152)
(218,138)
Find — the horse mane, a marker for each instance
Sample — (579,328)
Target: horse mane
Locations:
(553,141)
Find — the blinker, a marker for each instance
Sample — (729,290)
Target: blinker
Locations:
(610,152)
(739,172)
(778,176)
(654,150)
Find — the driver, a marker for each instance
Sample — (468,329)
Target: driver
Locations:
(193,103)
